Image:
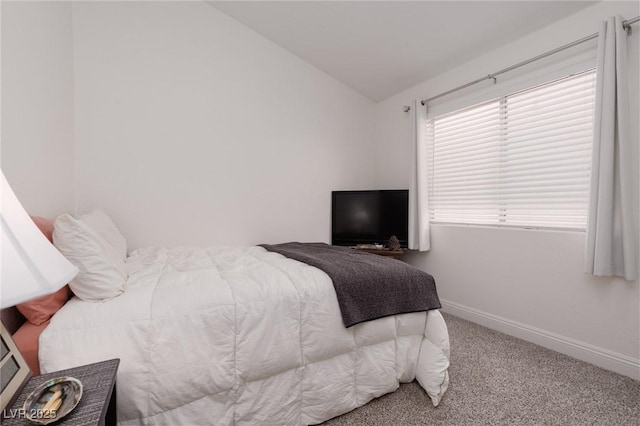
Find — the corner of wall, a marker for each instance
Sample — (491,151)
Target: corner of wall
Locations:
(37,105)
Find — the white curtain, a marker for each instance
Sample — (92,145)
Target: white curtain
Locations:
(419,236)
(610,248)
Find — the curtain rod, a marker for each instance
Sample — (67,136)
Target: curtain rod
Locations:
(625,24)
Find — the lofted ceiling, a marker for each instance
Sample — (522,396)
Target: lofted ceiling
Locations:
(380,48)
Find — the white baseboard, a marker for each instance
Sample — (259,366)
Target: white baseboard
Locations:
(604,358)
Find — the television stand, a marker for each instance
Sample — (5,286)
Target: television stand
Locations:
(382,251)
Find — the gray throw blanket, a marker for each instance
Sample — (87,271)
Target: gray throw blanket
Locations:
(368,286)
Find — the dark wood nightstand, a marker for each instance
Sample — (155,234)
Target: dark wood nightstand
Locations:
(382,252)
(97,405)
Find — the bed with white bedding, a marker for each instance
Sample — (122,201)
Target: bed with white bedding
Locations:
(241,336)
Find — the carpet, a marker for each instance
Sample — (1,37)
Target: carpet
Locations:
(497,379)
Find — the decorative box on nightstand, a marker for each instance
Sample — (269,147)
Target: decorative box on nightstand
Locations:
(97,405)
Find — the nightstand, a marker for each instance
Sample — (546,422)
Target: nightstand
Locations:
(97,405)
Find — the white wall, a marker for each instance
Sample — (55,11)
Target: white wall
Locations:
(37,145)
(192,129)
(526,282)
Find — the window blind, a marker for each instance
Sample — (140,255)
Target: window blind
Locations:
(520,160)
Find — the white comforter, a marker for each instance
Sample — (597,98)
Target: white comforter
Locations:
(241,336)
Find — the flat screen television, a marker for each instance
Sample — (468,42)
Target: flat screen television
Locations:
(369,217)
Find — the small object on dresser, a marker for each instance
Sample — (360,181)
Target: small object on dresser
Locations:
(394,243)
(369,246)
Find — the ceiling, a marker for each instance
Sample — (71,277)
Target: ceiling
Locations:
(380,48)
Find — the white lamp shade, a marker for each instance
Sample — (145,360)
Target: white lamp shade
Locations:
(31,266)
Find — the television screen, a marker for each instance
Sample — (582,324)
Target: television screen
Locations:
(369,217)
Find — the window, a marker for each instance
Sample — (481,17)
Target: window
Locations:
(520,160)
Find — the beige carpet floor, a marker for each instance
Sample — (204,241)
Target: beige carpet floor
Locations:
(500,380)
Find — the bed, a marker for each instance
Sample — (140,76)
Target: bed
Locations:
(228,335)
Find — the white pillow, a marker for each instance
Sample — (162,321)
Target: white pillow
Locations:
(105,228)
(102,274)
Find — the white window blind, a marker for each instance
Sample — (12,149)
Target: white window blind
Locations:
(520,160)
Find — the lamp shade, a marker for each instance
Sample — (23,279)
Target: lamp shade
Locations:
(31,266)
